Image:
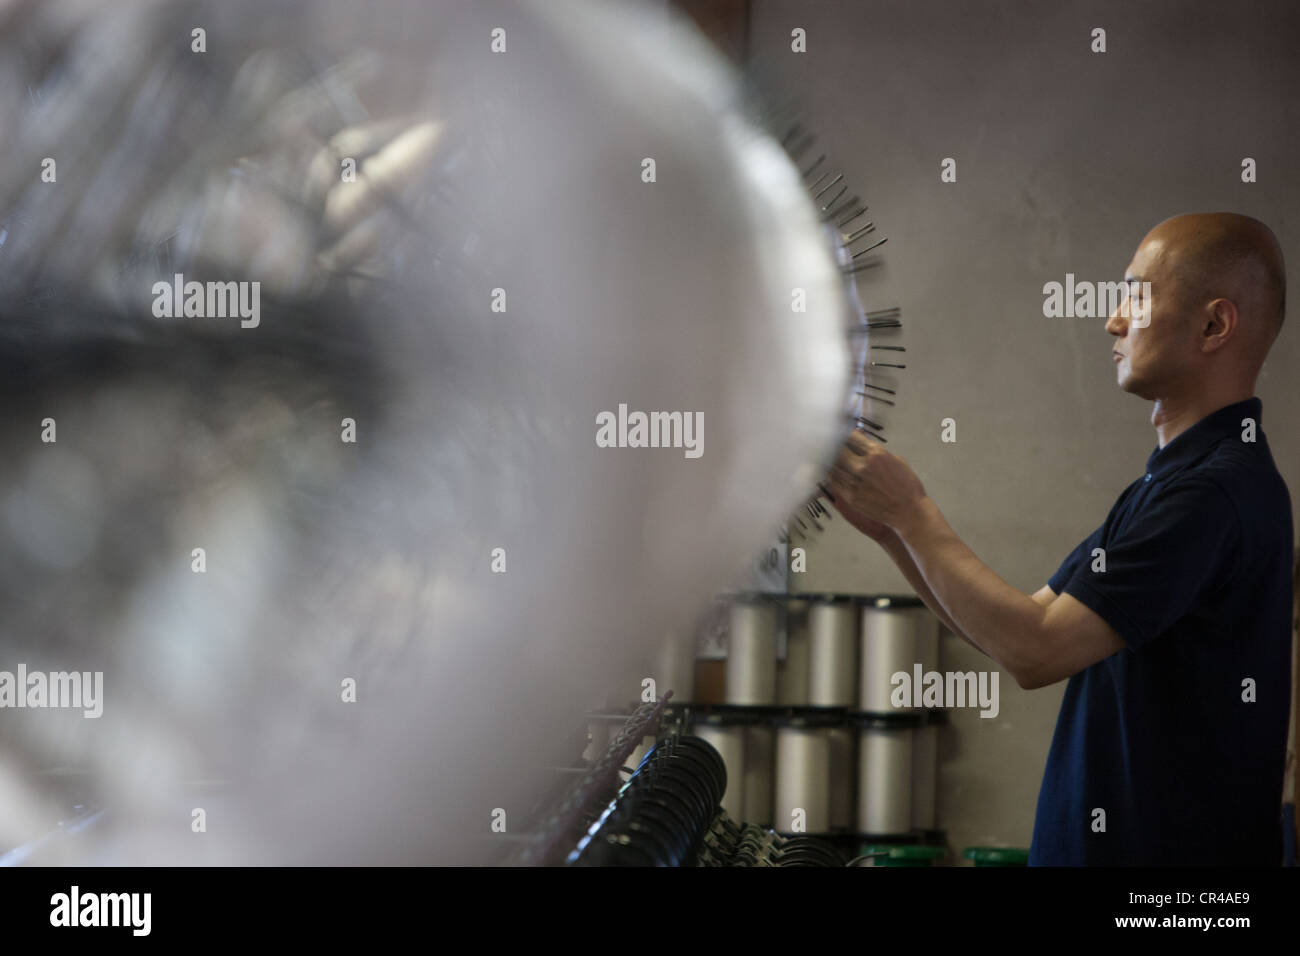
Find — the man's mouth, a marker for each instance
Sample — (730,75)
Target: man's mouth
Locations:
(1117,355)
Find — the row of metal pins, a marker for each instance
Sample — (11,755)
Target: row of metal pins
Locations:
(828,209)
(880,319)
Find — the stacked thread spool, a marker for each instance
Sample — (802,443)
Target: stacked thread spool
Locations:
(814,742)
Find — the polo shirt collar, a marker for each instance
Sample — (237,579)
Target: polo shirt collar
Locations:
(1196,441)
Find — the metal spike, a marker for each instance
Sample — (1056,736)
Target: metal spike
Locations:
(848,204)
(860,212)
(870,247)
(834,199)
(874,398)
(837,178)
(860,268)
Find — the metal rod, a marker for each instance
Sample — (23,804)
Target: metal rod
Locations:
(848,204)
(875,398)
(890,348)
(845,222)
(879,388)
(869,227)
(817,162)
(886,365)
(861,268)
(819,180)
(870,247)
(834,199)
(829,185)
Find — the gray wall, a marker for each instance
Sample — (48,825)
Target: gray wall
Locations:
(1065,158)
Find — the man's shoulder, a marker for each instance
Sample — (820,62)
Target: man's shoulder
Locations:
(1245,475)
(1240,468)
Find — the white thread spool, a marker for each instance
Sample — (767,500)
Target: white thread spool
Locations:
(885,775)
(843,778)
(792,673)
(751,653)
(673,669)
(897,635)
(728,737)
(803,772)
(833,627)
(925,771)
(760,777)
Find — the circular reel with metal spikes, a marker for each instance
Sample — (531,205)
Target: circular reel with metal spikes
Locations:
(843,220)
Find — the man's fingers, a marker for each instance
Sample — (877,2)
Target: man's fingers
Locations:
(860,444)
(841,478)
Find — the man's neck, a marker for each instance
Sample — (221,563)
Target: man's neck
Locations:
(1174,415)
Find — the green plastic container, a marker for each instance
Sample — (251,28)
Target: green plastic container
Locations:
(909,854)
(997,855)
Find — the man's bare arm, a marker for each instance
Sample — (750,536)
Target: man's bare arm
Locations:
(1038,641)
(898,553)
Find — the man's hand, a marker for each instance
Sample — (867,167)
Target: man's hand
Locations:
(873,488)
(875,530)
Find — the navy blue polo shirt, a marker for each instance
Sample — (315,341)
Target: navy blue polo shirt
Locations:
(1180,738)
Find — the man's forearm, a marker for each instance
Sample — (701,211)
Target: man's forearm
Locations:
(991,614)
(898,552)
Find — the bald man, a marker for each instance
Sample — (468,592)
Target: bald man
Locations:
(1171,621)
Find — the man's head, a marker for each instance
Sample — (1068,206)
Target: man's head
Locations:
(1218,297)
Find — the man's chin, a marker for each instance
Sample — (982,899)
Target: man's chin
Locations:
(1133,387)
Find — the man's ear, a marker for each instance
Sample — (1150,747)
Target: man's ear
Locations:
(1220,324)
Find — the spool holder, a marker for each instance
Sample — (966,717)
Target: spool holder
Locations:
(558,831)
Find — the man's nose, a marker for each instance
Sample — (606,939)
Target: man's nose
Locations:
(1117,324)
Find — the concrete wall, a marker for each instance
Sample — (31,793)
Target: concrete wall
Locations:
(1065,158)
